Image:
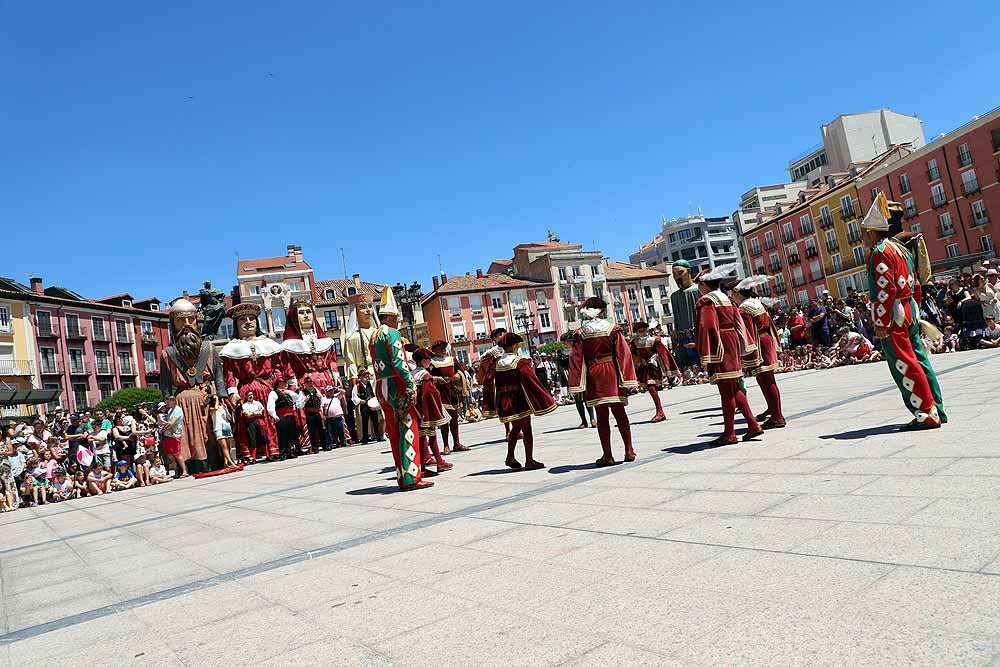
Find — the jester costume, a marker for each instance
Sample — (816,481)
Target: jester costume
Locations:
(653,365)
(397,395)
(895,293)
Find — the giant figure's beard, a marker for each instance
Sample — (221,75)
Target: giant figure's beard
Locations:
(188,343)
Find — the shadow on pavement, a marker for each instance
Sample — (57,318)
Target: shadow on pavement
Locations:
(374,491)
(497,471)
(697,447)
(559,470)
(568,428)
(697,410)
(862,433)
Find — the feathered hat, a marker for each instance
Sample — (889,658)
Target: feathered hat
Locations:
(510,339)
(752,282)
(718,273)
(592,307)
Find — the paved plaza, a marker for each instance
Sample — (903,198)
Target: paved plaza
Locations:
(836,541)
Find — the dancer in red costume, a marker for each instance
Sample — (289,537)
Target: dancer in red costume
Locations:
(443,365)
(519,395)
(654,364)
(249,362)
(430,409)
(601,367)
(722,342)
(763,362)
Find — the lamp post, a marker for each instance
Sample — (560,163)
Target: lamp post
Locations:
(407,297)
(525,320)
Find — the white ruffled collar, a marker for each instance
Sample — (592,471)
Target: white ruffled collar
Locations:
(240,349)
(309,344)
(596,326)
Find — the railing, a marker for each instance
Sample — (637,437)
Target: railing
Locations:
(794,259)
(816,275)
(812,252)
(101,336)
(910,213)
(980,220)
(48,330)
(578,279)
(127,370)
(826,222)
(945,232)
(807,228)
(938,202)
(103,369)
(770,245)
(964,159)
(77,333)
(798,281)
(788,238)
(934,174)
(17,367)
(779,286)
(152,370)
(51,367)
(456,314)
(598,278)
(849,214)
(755,251)
(126,336)
(150,338)
(970,187)
(776,266)
(832,246)
(81,369)
(853,236)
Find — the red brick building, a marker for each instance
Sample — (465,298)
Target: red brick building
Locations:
(949,188)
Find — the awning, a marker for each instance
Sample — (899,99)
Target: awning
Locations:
(960,262)
(14,397)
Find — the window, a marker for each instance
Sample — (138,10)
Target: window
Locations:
(859,255)
(127,384)
(831,240)
(663,291)
(904,183)
(544,321)
(853,231)
(80,396)
(802,295)
(540,298)
(909,208)
(5,320)
(759,267)
(125,363)
(806,224)
(915,228)
(497,301)
(634,310)
(458,330)
(337,347)
(838,264)
(631,294)
(126,303)
(933,173)
(254,290)
(825,217)
(479,327)
(48,358)
(562,273)
(970,183)
(875,192)
(996,140)
(986,242)
(103,363)
(278,317)
(76,360)
(145,326)
(73,326)
(454,306)
(788,232)
(810,247)
(500,323)
(754,246)
(121,331)
(952,249)
(262,320)
(979,216)
(518,299)
(226,330)
(775,262)
(97,324)
(964,156)
(847,206)
(476,304)
(44,320)
(648,291)
(769,239)
(330,320)
(463,356)
(330,295)
(577,272)
(154,306)
(814,271)
(599,292)
(937,195)
(779,282)
(149,360)
(947,228)
(295,286)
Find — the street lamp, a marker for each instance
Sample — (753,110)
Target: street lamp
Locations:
(525,320)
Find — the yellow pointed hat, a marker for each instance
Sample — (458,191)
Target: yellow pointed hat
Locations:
(877,218)
(387,304)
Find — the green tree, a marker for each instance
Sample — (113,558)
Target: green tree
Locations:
(551,347)
(131,398)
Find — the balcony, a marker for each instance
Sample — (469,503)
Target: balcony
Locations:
(798,281)
(770,245)
(970,187)
(80,369)
(944,231)
(816,276)
(49,330)
(775,267)
(787,238)
(794,259)
(150,338)
(755,251)
(101,336)
(779,287)
(832,246)
(964,158)
(910,213)
(599,278)
(981,219)
(103,369)
(578,279)
(482,335)
(812,252)
(461,338)
(76,333)
(934,174)
(849,214)
(152,371)
(127,370)
(477,312)
(541,305)
(51,367)
(938,202)
(456,314)
(854,236)
(826,222)
(124,337)
(17,367)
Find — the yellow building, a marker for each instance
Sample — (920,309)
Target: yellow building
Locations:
(838,220)
(17,349)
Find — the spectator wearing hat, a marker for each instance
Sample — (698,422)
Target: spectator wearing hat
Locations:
(123,478)
(62,486)
(363,396)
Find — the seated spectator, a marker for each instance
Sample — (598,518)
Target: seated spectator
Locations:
(98,480)
(79,484)
(158,473)
(991,334)
(40,487)
(123,478)
(950,341)
(62,486)
(141,466)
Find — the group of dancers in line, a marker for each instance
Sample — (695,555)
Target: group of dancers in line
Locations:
(735,335)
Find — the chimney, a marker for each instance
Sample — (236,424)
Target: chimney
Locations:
(444,277)
(298,253)
(36,286)
(434,279)
(291,251)
(643,265)
(479,273)
(357,280)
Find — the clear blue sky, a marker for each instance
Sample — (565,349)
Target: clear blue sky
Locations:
(145,144)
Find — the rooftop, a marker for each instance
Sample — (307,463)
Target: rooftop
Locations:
(339,287)
(281,263)
(482,283)
(626,271)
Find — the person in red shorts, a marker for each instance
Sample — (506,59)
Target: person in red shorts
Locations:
(173,429)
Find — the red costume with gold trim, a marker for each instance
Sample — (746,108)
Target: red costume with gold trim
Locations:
(484,376)
(763,361)
(451,400)
(519,392)
(429,404)
(309,354)
(653,361)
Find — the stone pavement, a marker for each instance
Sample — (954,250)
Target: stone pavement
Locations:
(835,541)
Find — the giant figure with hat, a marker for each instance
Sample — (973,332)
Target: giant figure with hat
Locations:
(361,328)
(682,303)
(895,292)
(191,370)
(722,342)
(308,351)
(601,368)
(654,364)
(397,395)
(249,364)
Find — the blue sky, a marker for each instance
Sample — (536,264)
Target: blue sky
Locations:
(145,144)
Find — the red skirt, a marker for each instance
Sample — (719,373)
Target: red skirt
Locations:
(602,384)
(731,366)
(430,408)
(768,354)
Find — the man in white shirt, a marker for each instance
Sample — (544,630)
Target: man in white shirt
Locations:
(991,334)
(253,410)
(333,414)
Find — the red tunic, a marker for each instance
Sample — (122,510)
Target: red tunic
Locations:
(519,392)
(761,331)
(653,361)
(445,367)
(600,364)
(310,357)
(484,376)
(247,369)
(722,338)
(432,414)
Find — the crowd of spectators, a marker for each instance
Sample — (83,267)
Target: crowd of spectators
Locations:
(67,456)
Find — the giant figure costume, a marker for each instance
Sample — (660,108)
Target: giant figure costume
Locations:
(307,350)
(682,303)
(601,368)
(249,363)
(895,293)
(190,368)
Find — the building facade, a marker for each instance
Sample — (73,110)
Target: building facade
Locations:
(18,357)
(463,310)
(273,283)
(639,294)
(948,189)
(705,242)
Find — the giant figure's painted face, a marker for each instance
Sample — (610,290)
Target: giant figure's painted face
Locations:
(246,326)
(306,319)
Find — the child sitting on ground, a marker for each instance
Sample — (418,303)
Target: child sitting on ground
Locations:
(158,473)
(124,478)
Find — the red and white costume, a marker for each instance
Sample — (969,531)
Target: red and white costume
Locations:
(519,392)
(484,376)
(249,365)
(429,404)
(653,364)
(451,400)
(763,361)
(309,354)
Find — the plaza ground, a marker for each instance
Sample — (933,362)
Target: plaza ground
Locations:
(836,541)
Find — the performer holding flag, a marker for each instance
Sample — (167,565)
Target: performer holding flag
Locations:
(895,293)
